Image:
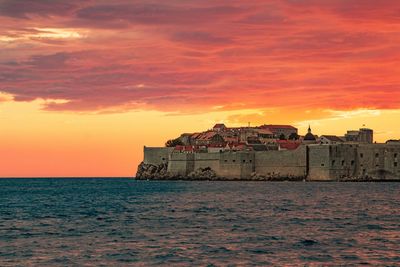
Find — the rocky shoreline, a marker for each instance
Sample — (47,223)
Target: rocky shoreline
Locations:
(160,172)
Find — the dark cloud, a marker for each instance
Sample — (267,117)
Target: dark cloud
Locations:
(150,14)
(26,8)
(185,56)
(355,10)
(200,38)
(53,61)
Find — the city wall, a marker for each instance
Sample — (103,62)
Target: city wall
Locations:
(341,162)
(284,163)
(331,162)
(344,162)
(156,155)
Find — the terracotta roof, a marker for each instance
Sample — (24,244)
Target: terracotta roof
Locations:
(203,135)
(195,135)
(219,126)
(332,138)
(287,144)
(236,144)
(276,126)
(206,135)
(216,145)
(263,131)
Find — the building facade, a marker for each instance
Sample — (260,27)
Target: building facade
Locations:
(363,136)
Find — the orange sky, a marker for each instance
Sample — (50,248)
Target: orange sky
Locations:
(85,84)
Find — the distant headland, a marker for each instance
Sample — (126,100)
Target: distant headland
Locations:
(272,153)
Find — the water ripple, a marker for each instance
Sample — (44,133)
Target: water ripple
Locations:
(122,222)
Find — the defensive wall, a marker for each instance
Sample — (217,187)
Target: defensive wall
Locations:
(331,162)
(283,163)
(354,162)
(339,162)
(156,155)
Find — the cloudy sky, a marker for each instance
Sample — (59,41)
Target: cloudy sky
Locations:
(85,84)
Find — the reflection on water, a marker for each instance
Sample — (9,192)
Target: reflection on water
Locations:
(126,222)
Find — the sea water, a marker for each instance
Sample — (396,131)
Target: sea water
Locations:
(123,222)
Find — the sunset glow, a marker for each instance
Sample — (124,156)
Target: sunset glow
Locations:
(84,85)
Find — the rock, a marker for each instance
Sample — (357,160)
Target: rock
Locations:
(202,174)
(150,171)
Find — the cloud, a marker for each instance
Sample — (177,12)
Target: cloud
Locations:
(53,61)
(27,8)
(156,13)
(4,97)
(201,56)
(200,38)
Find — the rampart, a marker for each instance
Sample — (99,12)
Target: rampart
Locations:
(339,162)
(285,163)
(156,155)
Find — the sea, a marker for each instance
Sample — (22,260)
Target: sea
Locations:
(125,222)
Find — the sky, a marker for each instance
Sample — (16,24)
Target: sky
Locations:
(84,85)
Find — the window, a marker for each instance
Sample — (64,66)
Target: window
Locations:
(377,165)
(333,162)
(377,155)
(233,160)
(395,155)
(244,161)
(322,164)
(395,164)
(342,162)
(226,160)
(250,161)
(361,155)
(163,158)
(352,162)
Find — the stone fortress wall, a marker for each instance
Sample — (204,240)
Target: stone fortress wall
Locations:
(284,163)
(156,155)
(310,162)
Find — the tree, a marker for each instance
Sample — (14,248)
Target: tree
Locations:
(293,136)
(174,143)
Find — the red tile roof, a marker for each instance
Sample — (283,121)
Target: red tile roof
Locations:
(216,145)
(332,138)
(195,135)
(263,131)
(219,126)
(206,135)
(277,126)
(288,144)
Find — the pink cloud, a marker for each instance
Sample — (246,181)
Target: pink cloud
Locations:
(193,56)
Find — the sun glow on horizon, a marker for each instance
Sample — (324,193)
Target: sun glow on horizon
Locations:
(48,143)
(85,84)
